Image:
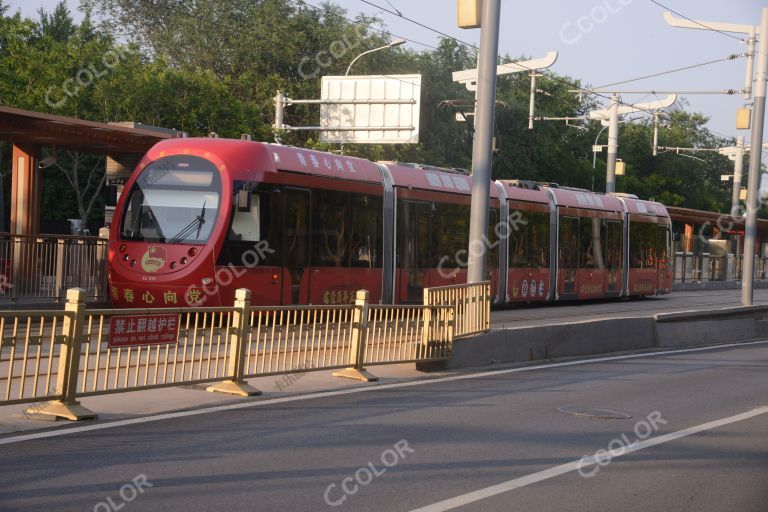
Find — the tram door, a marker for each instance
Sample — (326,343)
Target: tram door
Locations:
(568,255)
(413,233)
(296,251)
(613,261)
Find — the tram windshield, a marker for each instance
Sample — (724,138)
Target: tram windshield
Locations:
(175,200)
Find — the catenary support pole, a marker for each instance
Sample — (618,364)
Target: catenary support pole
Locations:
(750,65)
(482,149)
(613,145)
(753,189)
(532,105)
(738,168)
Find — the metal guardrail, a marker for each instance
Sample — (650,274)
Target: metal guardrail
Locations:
(45,266)
(471,303)
(61,356)
(701,267)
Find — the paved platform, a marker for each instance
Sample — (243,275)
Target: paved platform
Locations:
(637,308)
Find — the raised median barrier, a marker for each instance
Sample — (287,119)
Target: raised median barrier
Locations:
(592,337)
(61,356)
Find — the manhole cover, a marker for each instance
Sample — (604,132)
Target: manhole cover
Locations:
(600,414)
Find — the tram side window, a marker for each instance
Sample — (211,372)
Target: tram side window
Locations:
(493,239)
(346,229)
(366,250)
(569,242)
(450,234)
(330,229)
(413,227)
(254,235)
(646,244)
(663,241)
(529,243)
(592,243)
(613,244)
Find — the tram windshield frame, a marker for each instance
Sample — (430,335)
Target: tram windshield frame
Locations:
(175,200)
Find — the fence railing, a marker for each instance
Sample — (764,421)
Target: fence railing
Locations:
(45,266)
(61,356)
(707,267)
(471,303)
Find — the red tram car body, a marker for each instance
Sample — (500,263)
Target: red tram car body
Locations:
(200,218)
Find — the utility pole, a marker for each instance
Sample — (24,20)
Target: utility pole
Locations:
(611,115)
(482,147)
(738,167)
(613,144)
(750,65)
(758,118)
(532,105)
(753,189)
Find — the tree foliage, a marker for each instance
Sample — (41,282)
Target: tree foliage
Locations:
(204,66)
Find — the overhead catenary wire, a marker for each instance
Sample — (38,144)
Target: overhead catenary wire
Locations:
(726,34)
(504,60)
(733,56)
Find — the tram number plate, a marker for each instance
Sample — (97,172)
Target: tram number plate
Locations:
(133,331)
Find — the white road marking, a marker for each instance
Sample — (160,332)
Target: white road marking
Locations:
(517,483)
(350,391)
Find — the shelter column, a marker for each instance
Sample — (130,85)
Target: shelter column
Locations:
(25,191)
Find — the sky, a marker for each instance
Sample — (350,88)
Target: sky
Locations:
(599,42)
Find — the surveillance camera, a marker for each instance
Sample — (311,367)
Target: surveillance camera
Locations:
(46,162)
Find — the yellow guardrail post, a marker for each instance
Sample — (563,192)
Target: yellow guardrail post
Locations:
(426,333)
(238,337)
(358,339)
(69,363)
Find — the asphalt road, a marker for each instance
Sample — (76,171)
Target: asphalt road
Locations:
(594,310)
(405,446)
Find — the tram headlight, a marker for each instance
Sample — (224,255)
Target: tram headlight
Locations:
(207,280)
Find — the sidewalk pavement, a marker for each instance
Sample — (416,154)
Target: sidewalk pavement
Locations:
(133,404)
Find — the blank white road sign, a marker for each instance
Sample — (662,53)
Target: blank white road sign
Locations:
(380,109)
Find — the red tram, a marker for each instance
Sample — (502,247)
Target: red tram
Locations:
(200,218)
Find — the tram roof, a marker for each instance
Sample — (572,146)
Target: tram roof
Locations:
(531,195)
(319,163)
(642,207)
(433,179)
(575,198)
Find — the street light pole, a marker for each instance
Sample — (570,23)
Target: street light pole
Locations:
(753,190)
(482,148)
(396,42)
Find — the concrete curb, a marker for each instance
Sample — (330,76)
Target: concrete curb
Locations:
(592,337)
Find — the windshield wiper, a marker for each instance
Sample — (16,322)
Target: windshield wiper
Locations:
(201,217)
(196,224)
